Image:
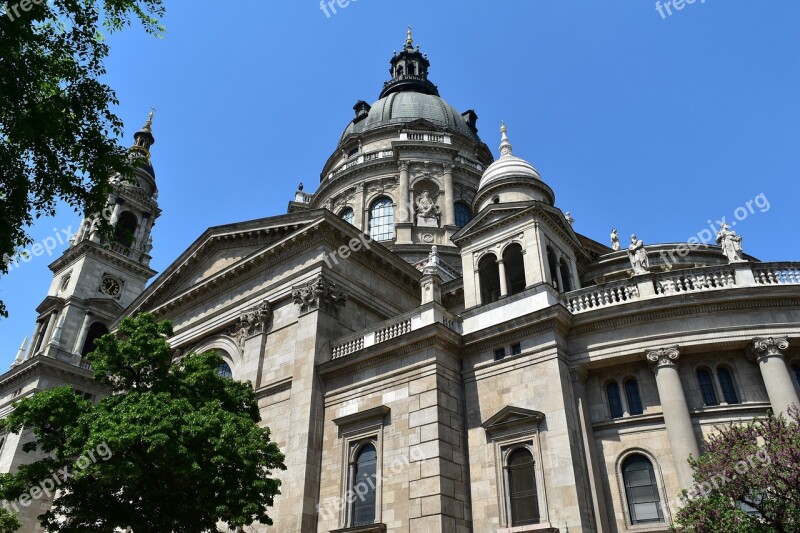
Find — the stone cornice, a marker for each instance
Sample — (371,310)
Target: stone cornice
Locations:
(93,249)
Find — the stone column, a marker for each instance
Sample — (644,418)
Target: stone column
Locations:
(51,322)
(677,420)
(578,376)
(358,208)
(768,353)
(81,338)
(34,340)
(501,266)
(449,197)
(404,214)
(478,287)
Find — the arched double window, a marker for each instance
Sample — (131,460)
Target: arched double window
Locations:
(707,388)
(381,219)
(641,490)
(726,385)
(515,268)
(489,279)
(125,229)
(363,485)
(614,400)
(348,215)
(522,497)
(96,330)
(463,214)
(634,399)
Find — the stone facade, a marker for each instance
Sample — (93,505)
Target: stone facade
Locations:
(505,341)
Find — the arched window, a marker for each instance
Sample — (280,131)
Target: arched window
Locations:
(515,269)
(348,215)
(707,388)
(463,214)
(726,384)
(489,279)
(225,371)
(381,220)
(523,501)
(632,395)
(363,484)
(614,400)
(96,331)
(566,277)
(125,230)
(641,490)
(551,262)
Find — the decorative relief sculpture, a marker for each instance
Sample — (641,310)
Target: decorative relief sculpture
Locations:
(319,294)
(767,347)
(568,216)
(731,243)
(664,356)
(251,323)
(638,256)
(615,240)
(427,211)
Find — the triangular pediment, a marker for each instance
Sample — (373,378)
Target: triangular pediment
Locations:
(421,124)
(512,417)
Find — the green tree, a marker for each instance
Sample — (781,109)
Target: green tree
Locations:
(175,447)
(58,136)
(748,480)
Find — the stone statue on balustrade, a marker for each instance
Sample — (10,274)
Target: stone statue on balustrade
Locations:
(615,240)
(731,244)
(638,256)
(427,211)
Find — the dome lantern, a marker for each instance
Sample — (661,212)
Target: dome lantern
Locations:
(409,71)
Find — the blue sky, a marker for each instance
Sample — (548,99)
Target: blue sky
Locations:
(652,125)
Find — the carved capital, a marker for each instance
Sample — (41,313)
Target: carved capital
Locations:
(763,347)
(319,294)
(252,322)
(664,357)
(578,373)
(402,166)
(448,168)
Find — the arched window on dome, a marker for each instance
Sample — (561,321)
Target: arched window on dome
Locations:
(634,398)
(726,385)
(520,480)
(125,228)
(96,330)
(363,477)
(463,214)
(224,370)
(641,490)
(348,215)
(614,400)
(707,388)
(515,269)
(381,219)
(489,279)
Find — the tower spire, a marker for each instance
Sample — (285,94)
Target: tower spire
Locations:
(505,145)
(409,38)
(143,139)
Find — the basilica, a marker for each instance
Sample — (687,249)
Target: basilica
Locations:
(433,346)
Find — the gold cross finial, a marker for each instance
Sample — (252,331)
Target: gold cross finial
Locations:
(409,39)
(150,117)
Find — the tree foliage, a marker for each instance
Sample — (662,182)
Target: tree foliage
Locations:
(58,135)
(751,467)
(175,447)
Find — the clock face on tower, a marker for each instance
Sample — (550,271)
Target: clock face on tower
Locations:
(110,286)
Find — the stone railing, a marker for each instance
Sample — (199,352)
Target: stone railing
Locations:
(360,159)
(601,296)
(694,280)
(777,273)
(395,327)
(426,137)
(472,164)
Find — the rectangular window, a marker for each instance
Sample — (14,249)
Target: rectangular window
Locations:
(499,354)
(516,349)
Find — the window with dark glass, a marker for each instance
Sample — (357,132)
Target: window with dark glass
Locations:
(499,353)
(381,220)
(632,395)
(516,349)
(726,384)
(707,388)
(348,215)
(641,490)
(515,269)
(363,485)
(489,279)
(566,277)
(614,400)
(225,371)
(523,501)
(463,214)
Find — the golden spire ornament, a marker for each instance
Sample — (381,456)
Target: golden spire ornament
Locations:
(409,38)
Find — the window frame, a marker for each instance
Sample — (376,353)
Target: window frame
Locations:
(607,388)
(507,452)
(660,486)
(638,398)
(389,206)
(351,219)
(709,388)
(733,387)
(466,206)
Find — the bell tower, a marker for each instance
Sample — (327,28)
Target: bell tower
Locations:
(99,275)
